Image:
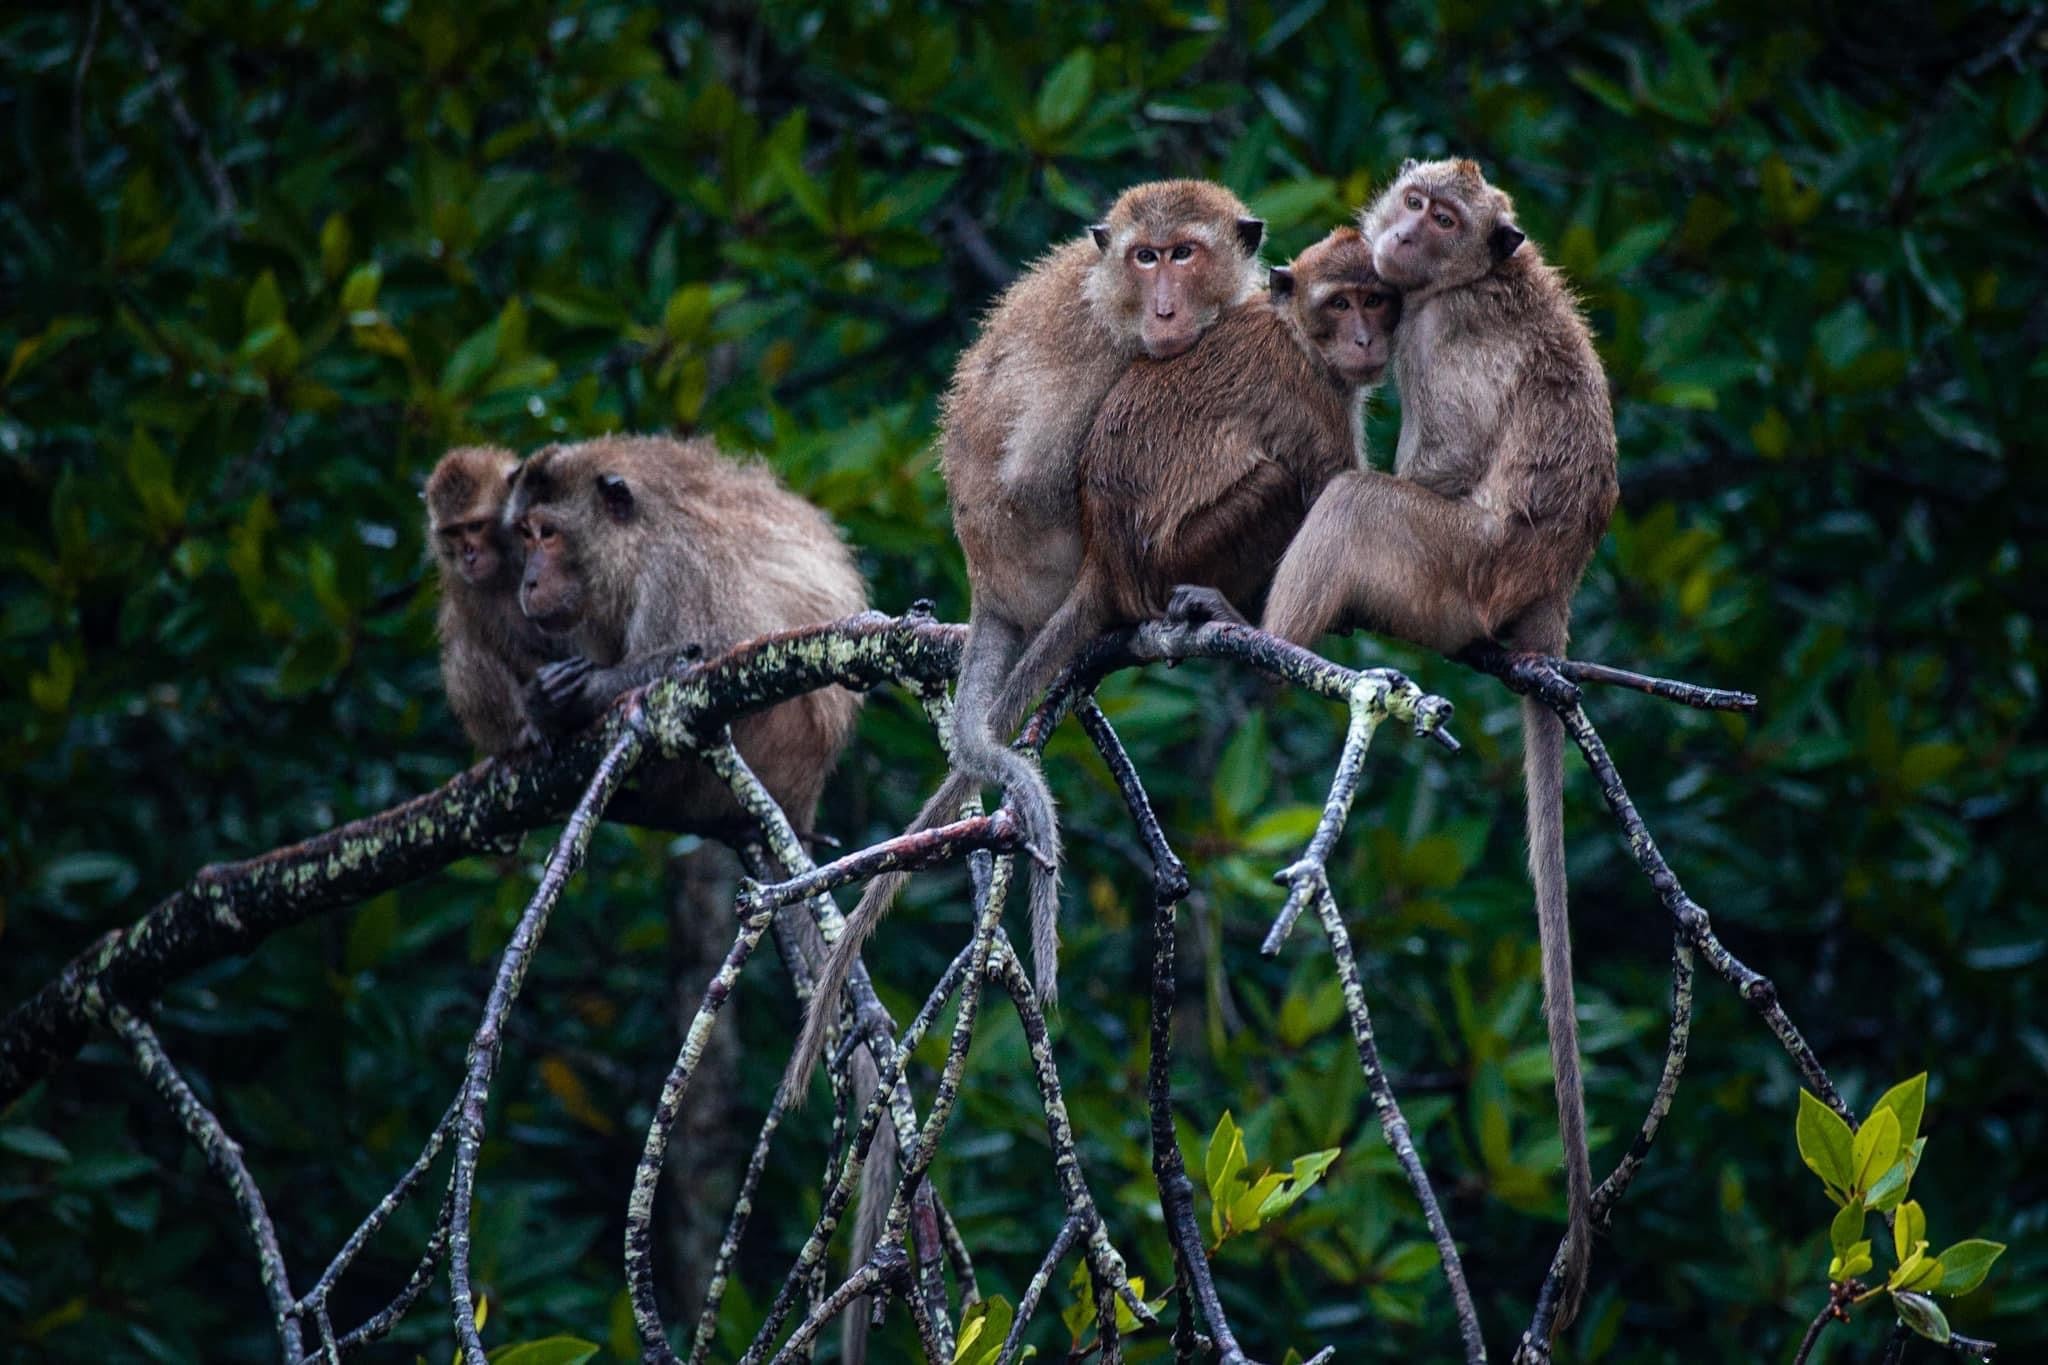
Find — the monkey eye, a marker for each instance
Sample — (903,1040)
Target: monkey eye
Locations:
(1445,221)
(1145,255)
(1341,303)
(1414,201)
(1374,302)
(1184,252)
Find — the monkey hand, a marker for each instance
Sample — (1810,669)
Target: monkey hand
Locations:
(565,695)
(1192,605)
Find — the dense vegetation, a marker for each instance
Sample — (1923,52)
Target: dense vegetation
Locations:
(263,263)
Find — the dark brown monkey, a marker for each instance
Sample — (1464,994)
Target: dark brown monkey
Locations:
(489,650)
(641,550)
(1197,470)
(1504,480)
(1163,264)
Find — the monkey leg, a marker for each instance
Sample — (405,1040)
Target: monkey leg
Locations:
(1390,555)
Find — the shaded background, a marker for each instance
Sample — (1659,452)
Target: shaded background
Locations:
(263,263)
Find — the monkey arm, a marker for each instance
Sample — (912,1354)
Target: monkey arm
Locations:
(1385,553)
(570,693)
(483,695)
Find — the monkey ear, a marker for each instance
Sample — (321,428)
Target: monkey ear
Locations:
(1503,240)
(1250,233)
(1100,232)
(617,498)
(1280,281)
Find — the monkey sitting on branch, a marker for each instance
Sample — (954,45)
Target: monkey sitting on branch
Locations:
(489,650)
(1197,470)
(1164,263)
(1504,480)
(643,551)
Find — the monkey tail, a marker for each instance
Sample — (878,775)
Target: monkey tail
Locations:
(1024,788)
(877,1192)
(1543,768)
(867,916)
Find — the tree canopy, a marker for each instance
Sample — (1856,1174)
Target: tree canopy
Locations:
(264,263)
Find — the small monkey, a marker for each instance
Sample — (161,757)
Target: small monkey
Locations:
(641,551)
(1504,480)
(1147,280)
(489,650)
(1198,470)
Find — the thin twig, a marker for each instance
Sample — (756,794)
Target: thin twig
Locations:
(188,127)
(224,1155)
(484,1047)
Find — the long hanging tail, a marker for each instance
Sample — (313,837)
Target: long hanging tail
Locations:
(1078,621)
(860,926)
(877,1191)
(1543,771)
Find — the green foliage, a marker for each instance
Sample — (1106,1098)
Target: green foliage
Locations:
(1240,1202)
(1809,248)
(1867,1172)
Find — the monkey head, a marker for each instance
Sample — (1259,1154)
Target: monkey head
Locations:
(1174,255)
(574,517)
(465,497)
(1439,226)
(1341,310)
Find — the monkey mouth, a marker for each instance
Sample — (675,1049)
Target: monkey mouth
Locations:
(1166,346)
(551,623)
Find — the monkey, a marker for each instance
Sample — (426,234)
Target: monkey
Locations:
(1198,470)
(489,650)
(641,551)
(1504,480)
(1164,263)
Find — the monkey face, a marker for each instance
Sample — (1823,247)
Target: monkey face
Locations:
(1424,232)
(1171,280)
(1353,327)
(474,550)
(551,587)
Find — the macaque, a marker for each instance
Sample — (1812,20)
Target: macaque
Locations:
(641,551)
(1147,280)
(489,650)
(1198,470)
(1504,480)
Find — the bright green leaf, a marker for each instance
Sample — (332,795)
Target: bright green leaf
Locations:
(1825,1142)
(1065,92)
(1875,1148)
(1847,1227)
(1965,1265)
(547,1351)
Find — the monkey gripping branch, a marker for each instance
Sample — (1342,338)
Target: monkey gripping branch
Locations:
(230,909)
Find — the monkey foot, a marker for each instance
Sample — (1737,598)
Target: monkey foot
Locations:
(1192,605)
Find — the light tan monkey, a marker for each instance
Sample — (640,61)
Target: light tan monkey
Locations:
(1164,263)
(1504,480)
(643,550)
(1199,470)
(489,650)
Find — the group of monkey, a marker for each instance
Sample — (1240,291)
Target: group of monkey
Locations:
(1148,424)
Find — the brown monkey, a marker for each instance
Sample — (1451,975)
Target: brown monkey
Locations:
(489,650)
(641,550)
(1504,480)
(1198,470)
(1161,267)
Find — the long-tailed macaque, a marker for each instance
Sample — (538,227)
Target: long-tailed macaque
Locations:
(1503,483)
(1198,470)
(1147,280)
(643,550)
(489,650)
